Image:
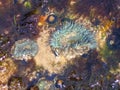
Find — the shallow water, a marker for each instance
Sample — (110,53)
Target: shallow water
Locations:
(69,68)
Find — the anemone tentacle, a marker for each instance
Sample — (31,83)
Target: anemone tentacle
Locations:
(72,35)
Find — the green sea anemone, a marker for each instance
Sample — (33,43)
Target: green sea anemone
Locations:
(72,36)
(24,49)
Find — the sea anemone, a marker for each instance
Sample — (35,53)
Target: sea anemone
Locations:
(24,49)
(52,18)
(72,36)
(113,40)
(45,85)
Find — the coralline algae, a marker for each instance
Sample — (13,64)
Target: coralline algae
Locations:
(24,49)
(72,36)
(7,68)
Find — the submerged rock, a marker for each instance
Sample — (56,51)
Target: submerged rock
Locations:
(113,41)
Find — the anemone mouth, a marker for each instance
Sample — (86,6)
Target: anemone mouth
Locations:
(24,49)
(73,36)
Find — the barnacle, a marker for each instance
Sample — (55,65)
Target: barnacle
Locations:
(7,68)
(24,49)
(72,36)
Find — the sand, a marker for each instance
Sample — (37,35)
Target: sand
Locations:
(45,58)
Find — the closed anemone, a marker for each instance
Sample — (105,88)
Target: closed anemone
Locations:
(113,40)
(72,38)
(24,49)
(51,19)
